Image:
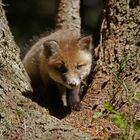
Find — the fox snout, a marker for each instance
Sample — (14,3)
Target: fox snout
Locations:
(71,81)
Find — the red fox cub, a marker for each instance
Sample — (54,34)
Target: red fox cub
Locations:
(61,59)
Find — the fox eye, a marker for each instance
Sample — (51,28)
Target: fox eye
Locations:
(80,66)
(61,68)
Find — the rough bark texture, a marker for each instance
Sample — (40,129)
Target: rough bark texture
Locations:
(69,15)
(12,73)
(118,72)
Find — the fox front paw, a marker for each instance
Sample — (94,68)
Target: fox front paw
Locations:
(76,106)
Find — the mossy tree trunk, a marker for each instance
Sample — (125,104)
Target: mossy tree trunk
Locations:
(12,73)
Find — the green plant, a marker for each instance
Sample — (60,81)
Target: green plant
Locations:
(126,122)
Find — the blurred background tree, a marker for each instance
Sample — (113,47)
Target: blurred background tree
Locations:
(28,18)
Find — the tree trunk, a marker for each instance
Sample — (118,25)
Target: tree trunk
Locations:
(117,73)
(117,68)
(12,72)
(69,15)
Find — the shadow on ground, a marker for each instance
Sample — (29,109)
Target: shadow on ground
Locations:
(55,104)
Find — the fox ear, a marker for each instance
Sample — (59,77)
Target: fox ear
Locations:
(51,47)
(85,42)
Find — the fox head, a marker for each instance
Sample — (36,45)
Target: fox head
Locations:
(68,62)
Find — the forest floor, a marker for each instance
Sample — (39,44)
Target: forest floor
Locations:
(22,119)
(100,127)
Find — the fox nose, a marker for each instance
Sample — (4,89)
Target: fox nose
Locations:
(71,80)
(73,84)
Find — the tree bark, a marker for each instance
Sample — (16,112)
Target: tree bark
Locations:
(117,73)
(69,15)
(12,72)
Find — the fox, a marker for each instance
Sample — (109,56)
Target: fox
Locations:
(61,59)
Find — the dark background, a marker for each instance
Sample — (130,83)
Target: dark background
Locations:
(32,17)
